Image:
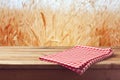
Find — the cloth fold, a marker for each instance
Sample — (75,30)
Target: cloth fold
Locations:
(78,58)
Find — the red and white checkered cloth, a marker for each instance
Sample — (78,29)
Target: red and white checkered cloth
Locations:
(78,58)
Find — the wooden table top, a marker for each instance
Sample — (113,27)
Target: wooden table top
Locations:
(28,58)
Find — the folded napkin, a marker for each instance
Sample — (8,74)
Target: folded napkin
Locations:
(78,58)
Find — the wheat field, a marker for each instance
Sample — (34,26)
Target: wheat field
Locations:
(47,27)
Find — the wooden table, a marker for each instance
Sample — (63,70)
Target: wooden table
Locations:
(22,63)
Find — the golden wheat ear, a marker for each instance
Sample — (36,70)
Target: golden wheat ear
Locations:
(62,25)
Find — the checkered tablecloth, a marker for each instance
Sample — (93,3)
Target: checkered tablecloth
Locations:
(78,58)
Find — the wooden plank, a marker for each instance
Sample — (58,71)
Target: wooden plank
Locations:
(29,50)
(40,49)
(30,56)
(56,74)
(101,74)
(23,64)
(38,75)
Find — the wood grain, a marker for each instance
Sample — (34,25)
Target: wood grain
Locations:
(22,63)
(30,56)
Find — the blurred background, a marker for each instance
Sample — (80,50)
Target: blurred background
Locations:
(59,22)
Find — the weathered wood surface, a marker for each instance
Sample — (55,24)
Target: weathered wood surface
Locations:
(26,56)
(24,63)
